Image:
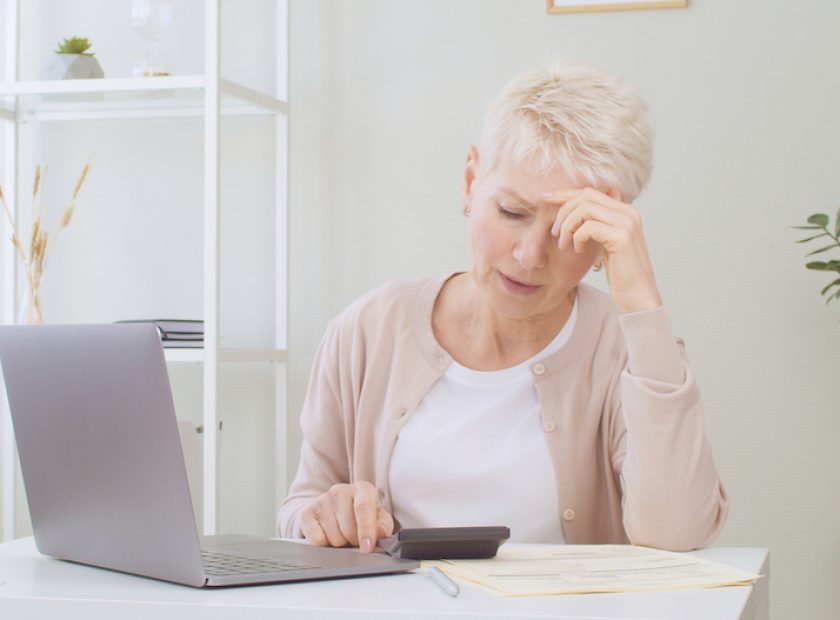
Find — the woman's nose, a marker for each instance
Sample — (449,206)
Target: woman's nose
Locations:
(531,252)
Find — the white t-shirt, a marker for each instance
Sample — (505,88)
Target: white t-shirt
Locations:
(474,453)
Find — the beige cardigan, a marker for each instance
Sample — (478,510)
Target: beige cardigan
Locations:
(618,403)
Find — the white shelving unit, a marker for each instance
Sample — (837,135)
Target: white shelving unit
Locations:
(208,96)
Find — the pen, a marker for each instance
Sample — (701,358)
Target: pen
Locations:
(445,583)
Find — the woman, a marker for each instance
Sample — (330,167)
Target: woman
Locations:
(513,394)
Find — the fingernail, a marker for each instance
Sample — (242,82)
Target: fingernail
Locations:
(547,194)
(367,546)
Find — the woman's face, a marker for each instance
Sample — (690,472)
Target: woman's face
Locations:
(515,260)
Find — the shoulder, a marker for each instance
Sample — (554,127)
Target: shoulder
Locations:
(392,306)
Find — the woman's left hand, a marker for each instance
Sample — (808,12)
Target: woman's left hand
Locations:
(588,215)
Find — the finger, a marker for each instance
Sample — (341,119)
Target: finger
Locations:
(564,195)
(592,230)
(589,212)
(573,202)
(329,523)
(366,509)
(335,512)
(345,517)
(561,196)
(568,202)
(312,531)
(571,199)
(386,523)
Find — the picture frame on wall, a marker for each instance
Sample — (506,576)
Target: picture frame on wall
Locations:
(581,6)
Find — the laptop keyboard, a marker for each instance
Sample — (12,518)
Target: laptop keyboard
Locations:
(216,563)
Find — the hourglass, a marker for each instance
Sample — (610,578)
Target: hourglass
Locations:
(151,19)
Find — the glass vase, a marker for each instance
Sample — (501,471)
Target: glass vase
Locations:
(31,312)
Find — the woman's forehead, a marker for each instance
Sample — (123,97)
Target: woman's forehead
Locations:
(513,194)
(525,184)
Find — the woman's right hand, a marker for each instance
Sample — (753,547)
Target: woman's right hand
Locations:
(347,514)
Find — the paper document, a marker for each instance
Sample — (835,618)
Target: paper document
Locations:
(534,570)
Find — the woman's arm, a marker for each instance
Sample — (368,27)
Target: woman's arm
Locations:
(323,505)
(324,456)
(673,497)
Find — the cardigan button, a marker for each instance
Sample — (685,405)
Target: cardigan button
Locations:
(549,426)
(569,514)
(538,369)
(402,411)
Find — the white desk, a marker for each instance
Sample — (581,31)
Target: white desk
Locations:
(40,587)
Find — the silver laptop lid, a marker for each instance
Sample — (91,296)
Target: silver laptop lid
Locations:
(99,448)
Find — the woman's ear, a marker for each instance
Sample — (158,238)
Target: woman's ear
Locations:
(470,174)
(614,193)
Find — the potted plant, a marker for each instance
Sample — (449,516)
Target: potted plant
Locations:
(72,61)
(821,222)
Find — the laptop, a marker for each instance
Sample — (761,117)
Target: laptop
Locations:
(104,473)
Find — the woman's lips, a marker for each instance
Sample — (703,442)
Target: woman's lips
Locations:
(516,287)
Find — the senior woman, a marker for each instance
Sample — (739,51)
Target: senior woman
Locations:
(513,394)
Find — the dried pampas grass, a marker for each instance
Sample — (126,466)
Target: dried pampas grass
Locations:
(40,242)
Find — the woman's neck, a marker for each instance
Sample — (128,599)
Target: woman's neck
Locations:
(481,338)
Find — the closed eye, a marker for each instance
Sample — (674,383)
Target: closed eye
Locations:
(514,215)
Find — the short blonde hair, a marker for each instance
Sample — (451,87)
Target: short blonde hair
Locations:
(590,125)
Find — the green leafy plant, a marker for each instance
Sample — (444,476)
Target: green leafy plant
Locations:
(74,45)
(820,221)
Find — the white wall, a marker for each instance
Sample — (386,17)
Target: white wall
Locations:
(386,97)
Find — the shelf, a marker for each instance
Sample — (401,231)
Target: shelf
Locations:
(173,96)
(196,356)
(206,98)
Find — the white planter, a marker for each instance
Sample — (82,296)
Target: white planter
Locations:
(72,67)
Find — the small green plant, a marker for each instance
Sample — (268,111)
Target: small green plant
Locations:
(74,45)
(820,221)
